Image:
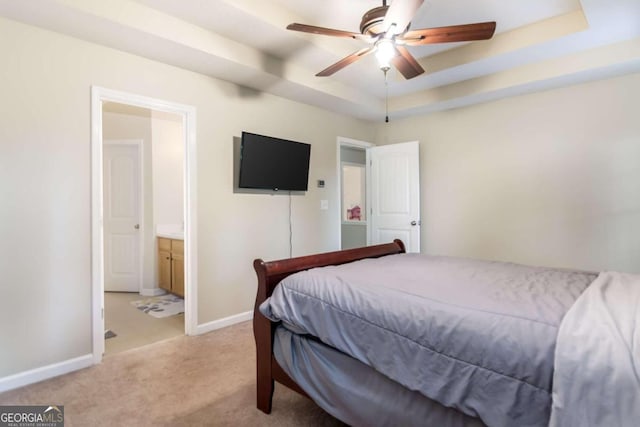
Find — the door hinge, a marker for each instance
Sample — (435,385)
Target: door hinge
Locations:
(102,313)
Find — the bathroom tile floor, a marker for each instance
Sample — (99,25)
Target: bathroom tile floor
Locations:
(133,327)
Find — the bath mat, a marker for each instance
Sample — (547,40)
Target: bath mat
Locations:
(162,306)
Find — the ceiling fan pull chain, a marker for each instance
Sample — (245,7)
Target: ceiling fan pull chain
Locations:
(386,97)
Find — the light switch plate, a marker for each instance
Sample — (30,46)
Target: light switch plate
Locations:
(324,205)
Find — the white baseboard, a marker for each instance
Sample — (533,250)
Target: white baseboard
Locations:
(44,373)
(224,322)
(152,292)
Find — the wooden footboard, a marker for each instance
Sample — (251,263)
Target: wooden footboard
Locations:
(269,275)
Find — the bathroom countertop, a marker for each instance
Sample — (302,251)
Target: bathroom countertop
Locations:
(170,231)
(169,235)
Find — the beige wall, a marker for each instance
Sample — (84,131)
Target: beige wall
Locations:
(45,178)
(168,169)
(551,178)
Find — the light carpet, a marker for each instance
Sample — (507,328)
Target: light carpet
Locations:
(207,380)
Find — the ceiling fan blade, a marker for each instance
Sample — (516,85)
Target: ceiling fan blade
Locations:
(326,31)
(345,61)
(406,63)
(399,15)
(454,33)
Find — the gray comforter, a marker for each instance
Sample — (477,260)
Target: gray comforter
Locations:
(472,335)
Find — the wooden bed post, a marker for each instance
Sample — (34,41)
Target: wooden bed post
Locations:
(263,334)
(269,275)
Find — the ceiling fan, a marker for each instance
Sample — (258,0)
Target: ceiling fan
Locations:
(386,28)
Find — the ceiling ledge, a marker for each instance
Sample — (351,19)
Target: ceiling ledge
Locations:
(279,18)
(564,46)
(601,62)
(556,83)
(156,35)
(506,42)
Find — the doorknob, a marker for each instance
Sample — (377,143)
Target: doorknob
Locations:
(413,223)
(137,226)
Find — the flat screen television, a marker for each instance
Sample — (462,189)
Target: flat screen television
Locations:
(273,164)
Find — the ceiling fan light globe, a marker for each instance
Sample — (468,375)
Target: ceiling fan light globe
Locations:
(385,51)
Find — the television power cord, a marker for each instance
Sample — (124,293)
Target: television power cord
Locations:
(290,229)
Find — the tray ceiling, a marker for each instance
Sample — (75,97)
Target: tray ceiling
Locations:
(538,45)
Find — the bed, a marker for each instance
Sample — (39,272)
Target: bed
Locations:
(376,336)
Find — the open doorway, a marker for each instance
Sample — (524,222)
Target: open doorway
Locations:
(391,193)
(143,195)
(143,226)
(353,191)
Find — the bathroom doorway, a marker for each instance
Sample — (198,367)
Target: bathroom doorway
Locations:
(143,185)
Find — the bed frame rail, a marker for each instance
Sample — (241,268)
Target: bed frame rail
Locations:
(269,275)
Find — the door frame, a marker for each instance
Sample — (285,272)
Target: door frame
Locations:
(362,145)
(188,113)
(141,236)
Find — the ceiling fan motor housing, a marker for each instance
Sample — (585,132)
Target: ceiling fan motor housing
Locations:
(372,20)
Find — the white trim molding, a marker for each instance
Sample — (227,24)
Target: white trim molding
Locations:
(45,372)
(100,95)
(350,142)
(224,322)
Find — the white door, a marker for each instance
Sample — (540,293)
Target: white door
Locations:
(395,194)
(122,217)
